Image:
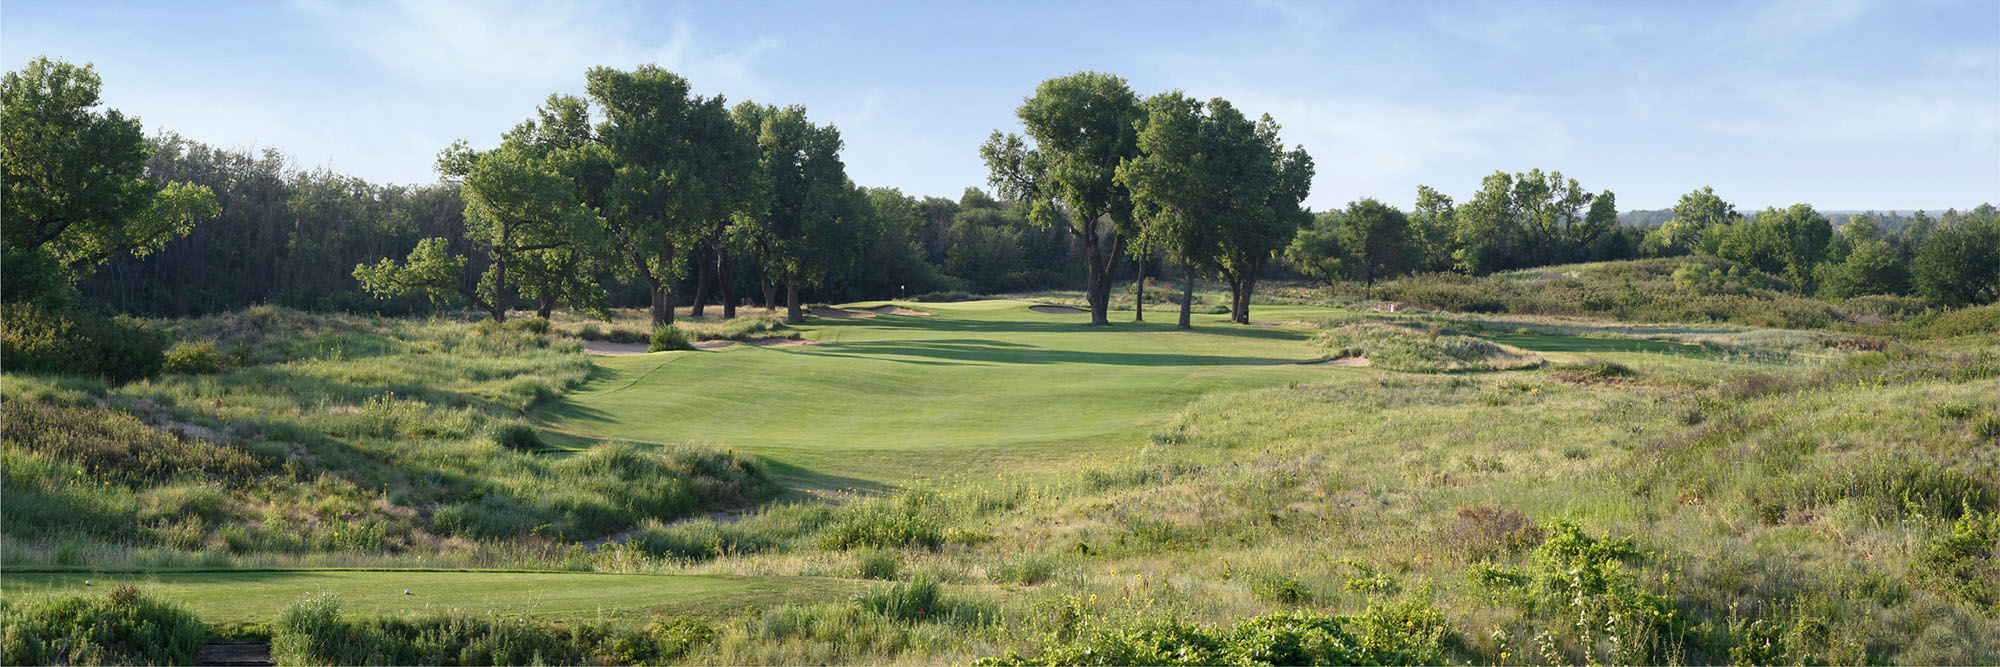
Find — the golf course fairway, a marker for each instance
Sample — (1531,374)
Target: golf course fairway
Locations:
(974,387)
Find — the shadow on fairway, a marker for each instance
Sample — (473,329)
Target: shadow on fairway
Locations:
(981,351)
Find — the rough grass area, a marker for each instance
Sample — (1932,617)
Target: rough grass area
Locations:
(1416,348)
(991,483)
(1678,289)
(337,434)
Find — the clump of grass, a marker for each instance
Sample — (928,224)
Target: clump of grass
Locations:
(876,565)
(1405,633)
(1484,532)
(1591,371)
(1025,569)
(124,626)
(1419,349)
(911,519)
(315,632)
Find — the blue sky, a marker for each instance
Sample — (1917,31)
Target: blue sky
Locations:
(1845,104)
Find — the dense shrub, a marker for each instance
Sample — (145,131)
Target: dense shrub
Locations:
(194,358)
(123,626)
(1591,371)
(668,337)
(1964,562)
(1485,532)
(49,339)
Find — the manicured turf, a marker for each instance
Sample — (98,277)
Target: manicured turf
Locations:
(256,596)
(979,387)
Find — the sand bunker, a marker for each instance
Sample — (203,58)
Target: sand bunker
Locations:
(775,341)
(1350,362)
(1057,310)
(897,310)
(712,344)
(838,313)
(610,349)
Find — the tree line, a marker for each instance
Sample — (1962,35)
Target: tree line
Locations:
(642,192)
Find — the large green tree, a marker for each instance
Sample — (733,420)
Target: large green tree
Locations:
(806,231)
(518,209)
(1695,214)
(1170,181)
(75,193)
(1083,127)
(683,167)
(1958,264)
(1377,238)
(1259,187)
(1432,223)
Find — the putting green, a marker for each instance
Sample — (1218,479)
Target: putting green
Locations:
(261,595)
(975,388)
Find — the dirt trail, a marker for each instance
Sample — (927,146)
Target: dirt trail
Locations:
(235,654)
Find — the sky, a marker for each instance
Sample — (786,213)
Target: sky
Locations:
(1844,104)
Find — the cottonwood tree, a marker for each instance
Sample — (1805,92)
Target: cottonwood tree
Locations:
(1259,186)
(1082,126)
(681,170)
(515,207)
(805,230)
(75,193)
(1170,182)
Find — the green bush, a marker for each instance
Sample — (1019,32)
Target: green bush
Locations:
(1961,563)
(123,626)
(668,337)
(194,358)
(54,340)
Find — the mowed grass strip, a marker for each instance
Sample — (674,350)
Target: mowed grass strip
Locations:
(261,595)
(971,379)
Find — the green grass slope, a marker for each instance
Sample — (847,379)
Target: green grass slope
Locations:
(975,387)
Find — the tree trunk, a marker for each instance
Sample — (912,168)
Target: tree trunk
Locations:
(548,305)
(663,287)
(770,294)
(1187,300)
(1139,291)
(792,314)
(499,307)
(701,287)
(1098,292)
(728,280)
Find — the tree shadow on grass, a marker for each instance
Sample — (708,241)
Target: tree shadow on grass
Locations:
(988,352)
